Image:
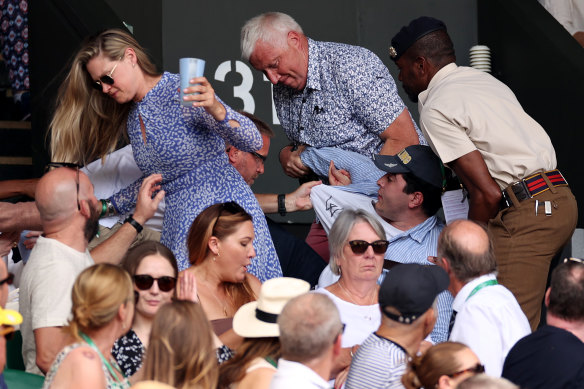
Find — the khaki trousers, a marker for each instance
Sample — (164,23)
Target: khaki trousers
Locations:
(525,244)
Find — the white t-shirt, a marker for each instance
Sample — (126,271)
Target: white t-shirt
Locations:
(45,291)
(360,320)
(117,172)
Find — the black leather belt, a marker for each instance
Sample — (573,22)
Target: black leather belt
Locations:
(531,186)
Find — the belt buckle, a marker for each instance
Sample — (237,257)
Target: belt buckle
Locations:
(520,190)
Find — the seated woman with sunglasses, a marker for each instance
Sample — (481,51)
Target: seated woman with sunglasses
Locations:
(442,366)
(113,85)
(102,311)
(357,246)
(220,244)
(153,269)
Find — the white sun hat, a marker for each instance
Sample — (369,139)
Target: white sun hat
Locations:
(258,318)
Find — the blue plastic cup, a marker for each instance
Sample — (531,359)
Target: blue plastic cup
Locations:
(189,68)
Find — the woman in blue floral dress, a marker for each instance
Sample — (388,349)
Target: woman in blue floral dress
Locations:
(112,84)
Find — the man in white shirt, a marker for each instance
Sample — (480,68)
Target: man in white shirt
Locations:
(310,338)
(487,317)
(69,215)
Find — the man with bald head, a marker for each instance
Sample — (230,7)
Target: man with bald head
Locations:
(69,215)
(486,316)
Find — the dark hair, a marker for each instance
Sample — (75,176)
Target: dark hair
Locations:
(262,126)
(136,254)
(465,264)
(432,194)
(566,299)
(235,369)
(436,47)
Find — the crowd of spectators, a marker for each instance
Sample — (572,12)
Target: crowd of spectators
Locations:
(223,299)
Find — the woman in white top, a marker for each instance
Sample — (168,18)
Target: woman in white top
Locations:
(357,245)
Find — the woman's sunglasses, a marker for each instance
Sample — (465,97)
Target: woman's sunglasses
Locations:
(476,369)
(8,280)
(106,79)
(360,246)
(144,282)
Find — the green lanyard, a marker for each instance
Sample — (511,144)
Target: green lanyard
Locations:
(481,286)
(88,340)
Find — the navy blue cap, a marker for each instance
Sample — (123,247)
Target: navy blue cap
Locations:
(409,34)
(417,160)
(411,289)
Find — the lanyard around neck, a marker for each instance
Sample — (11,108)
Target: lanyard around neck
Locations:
(481,286)
(109,367)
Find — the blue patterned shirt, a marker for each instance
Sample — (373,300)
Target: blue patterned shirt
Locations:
(349,100)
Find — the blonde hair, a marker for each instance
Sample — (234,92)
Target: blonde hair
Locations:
(181,351)
(88,124)
(424,371)
(97,295)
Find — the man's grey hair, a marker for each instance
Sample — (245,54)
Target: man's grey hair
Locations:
(270,27)
(341,229)
(309,325)
(466,264)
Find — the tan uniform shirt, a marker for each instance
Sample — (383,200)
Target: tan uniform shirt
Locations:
(465,109)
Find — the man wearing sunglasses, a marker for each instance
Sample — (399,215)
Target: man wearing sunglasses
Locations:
(69,213)
(553,356)
(297,258)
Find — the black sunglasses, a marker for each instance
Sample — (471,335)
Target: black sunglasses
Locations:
(476,369)
(55,165)
(360,246)
(106,79)
(145,282)
(8,280)
(260,158)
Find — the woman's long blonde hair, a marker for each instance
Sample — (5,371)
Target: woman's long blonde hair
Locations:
(88,124)
(181,351)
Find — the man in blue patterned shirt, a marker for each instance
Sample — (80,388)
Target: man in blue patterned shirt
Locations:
(326,94)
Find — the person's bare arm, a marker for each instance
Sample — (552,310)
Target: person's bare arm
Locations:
(11,188)
(19,216)
(484,193)
(49,342)
(113,249)
(400,134)
(299,200)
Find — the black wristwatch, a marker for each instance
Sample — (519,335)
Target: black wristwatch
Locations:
(282,204)
(134,223)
